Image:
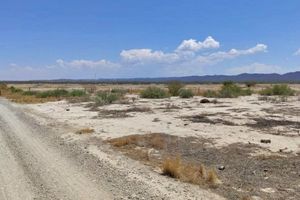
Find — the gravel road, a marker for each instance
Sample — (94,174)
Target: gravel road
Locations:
(37,163)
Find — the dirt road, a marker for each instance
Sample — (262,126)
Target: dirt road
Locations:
(37,163)
(30,169)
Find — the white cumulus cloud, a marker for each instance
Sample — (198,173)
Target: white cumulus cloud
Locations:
(297,53)
(194,45)
(233,53)
(142,56)
(81,64)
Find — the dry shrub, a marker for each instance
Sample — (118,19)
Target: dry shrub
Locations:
(246,198)
(154,140)
(85,131)
(157,141)
(172,167)
(212,178)
(193,174)
(123,141)
(189,172)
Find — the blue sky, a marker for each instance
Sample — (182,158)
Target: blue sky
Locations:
(52,39)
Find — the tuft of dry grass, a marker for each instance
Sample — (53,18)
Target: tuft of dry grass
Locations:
(172,167)
(189,172)
(85,131)
(212,178)
(123,141)
(157,141)
(246,198)
(154,140)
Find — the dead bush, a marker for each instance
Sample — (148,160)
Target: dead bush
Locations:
(189,172)
(85,131)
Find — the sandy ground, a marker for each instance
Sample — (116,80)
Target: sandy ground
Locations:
(40,160)
(233,126)
(245,119)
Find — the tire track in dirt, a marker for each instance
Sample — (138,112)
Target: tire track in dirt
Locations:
(29,169)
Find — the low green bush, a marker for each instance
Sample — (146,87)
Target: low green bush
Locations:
(280,90)
(233,91)
(77,93)
(30,93)
(154,93)
(53,93)
(228,90)
(210,94)
(15,90)
(174,87)
(107,97)
(186,93)
(119,91)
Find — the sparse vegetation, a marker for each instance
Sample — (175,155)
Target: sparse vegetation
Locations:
(175,87)
(186,93)
(119,91)
(173,166)
(210,94)
(52,93)
(188,172)
(280,90)
(107,97)
(15,90)
(77,93)
(231,90)
(154,93)
(33,96)
(228,90)
(30,93)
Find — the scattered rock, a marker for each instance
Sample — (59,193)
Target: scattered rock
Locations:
(267,190)
(156,120)
(67,109)
(265,141)
(153,153)
(214,101)
(282,150)
(221,167)
(204,101)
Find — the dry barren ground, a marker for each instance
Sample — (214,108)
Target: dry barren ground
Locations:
(226,136)
(38,160)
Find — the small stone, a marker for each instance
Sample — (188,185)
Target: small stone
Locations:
(67,109)
(221,167)
(204,101)
(265,141)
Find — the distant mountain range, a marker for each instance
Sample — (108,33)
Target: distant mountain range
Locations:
(292,77)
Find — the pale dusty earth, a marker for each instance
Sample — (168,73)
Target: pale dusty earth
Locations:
(166,116)
(43,136)
(41,158)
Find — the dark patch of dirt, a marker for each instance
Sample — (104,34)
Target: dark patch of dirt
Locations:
(122,113)
(203,118)
(292,111)
(244,175)
(263,123)
(238,110)
(169,108)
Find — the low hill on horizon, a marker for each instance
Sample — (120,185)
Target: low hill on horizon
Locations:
(291,77)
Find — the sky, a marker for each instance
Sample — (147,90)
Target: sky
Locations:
(79,39)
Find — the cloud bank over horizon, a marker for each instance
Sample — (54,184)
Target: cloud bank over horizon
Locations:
(190,57)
